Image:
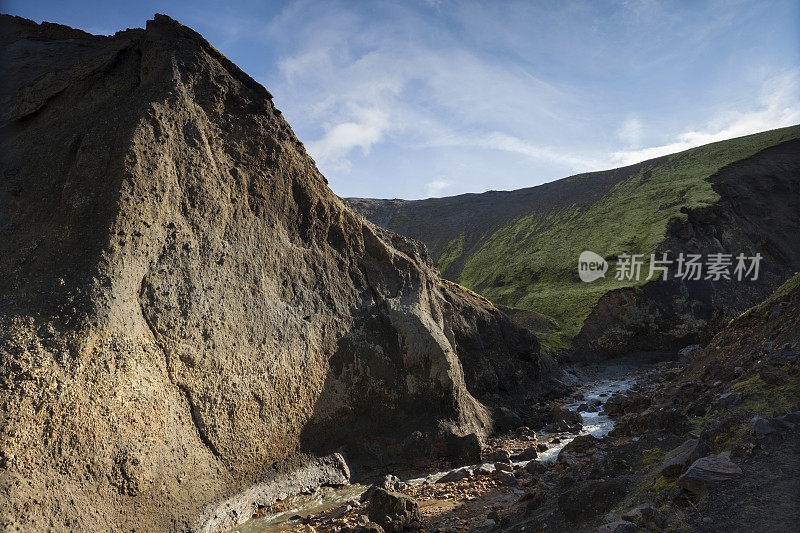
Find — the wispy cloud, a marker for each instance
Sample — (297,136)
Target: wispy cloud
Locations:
(487,97)
(434,188)
(367,128)
(778,106)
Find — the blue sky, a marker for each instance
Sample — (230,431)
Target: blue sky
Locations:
(412,99)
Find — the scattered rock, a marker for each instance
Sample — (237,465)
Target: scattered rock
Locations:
(507,478)
(501,456)
(620,526)
(535,467)
(562,415)
(527,454)
(369,527)
(580,444)
(679,459)
(392,511)
(773,375)
(615,404)
(455,475)
(729,399)
(503,467)
(484,470)
(708,471)
(646,515)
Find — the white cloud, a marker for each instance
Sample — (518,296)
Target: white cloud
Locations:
(366,128)
(434,188)
(778,106)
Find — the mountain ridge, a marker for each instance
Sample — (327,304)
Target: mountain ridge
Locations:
(520,248)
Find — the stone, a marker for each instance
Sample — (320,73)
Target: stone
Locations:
(646,515)
(729,399)
(773,375)
(707,472)
(502,456)
(504,467)
(690,351)
(455,475)
(615,405)
(507,478)
(562,415)
(392,511)
(535,467)
(679,459)
(527,454)
(484,469)
(462,449)
(369,527)
(620,526)
(580,444)
(541,447)
(763,426)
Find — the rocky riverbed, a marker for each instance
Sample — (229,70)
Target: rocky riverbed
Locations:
(703,443)
(468,498)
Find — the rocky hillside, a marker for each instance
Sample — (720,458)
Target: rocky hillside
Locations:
(520,248)
(187,309)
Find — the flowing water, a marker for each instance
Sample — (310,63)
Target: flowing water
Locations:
(327,498)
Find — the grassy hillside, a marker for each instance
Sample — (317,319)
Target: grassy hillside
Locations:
(531,262)
(520,248)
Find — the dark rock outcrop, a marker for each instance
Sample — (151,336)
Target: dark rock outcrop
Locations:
(186,309)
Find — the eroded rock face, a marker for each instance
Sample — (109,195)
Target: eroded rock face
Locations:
(186,307)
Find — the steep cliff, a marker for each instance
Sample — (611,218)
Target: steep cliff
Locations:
(185,306)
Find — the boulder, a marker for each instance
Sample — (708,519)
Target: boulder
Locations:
(562,415)
(484,470)
(615,405)
(690,351)
(773,375)
(527,454)
(388,483)
(503,467)
(535,467)
(707,472)
(455,475)
(461,449)
(646,515)
(502,456)
(763,426)
(678,460)
(580,444)
(507,478)
(392,511)
(541,447)
(729,399)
